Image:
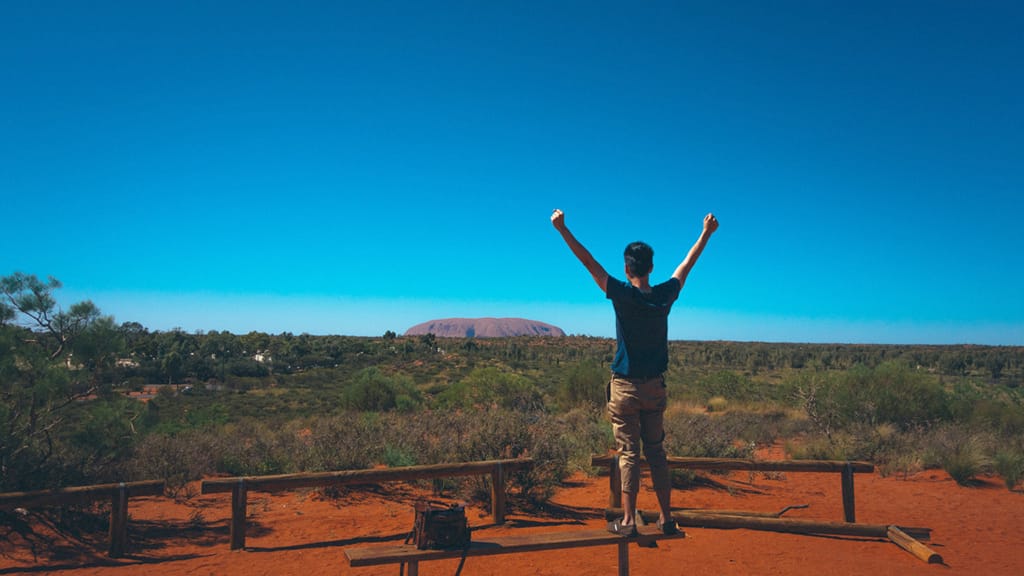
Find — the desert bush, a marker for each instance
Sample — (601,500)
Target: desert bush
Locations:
(699,435)
(178,459)
(879,444)
(396,457)
(372,390)
(763,427)
(486,387)
(889,393)
(558,445)
(1008,462)
(253,448)
(583,384)
(959,451)
(349,441)
(717,404)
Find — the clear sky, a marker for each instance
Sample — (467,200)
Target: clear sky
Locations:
(354,167)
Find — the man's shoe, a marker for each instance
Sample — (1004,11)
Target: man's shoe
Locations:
(668,527)
(624,530)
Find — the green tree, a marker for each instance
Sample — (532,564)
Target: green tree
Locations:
(48,359)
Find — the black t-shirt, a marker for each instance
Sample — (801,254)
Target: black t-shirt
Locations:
(641,326)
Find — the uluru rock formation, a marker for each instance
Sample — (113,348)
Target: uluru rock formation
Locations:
(484,328)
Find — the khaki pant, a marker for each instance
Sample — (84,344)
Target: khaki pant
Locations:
(637,408)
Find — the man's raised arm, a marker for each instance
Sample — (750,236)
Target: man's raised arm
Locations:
(596,270)
(710,225)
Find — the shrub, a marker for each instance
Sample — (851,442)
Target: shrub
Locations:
(372,390)
(889,393)
(583,384)
(486,387)
(699,435)
(349,441)
(959,451)
(177,459)
(1008,462)
(717,404)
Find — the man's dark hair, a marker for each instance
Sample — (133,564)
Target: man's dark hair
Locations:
(639,259)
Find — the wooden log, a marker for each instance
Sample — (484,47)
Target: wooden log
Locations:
(78,494)
(750,464)
(371,476)
(239,504)
(922,552)
(498,494)
(791,525)
(849,508)
(747,512)
(118,522)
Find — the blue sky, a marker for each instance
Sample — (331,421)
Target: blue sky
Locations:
(357,167)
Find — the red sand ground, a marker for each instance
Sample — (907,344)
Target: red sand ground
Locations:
(976,530)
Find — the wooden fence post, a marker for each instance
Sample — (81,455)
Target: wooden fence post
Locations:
(615,483)
(238,506)
(498,494)
(849,509)
(118,521)
(623,558)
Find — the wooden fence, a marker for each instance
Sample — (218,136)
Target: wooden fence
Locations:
(118,494)
(240,486)
(844,468)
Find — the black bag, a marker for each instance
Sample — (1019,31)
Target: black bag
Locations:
(439,526)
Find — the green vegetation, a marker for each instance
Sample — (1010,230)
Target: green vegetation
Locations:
(86,401)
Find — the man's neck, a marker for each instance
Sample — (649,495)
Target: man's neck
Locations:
(642,283)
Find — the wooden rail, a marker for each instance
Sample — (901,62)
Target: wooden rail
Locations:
(241,485)
(118,494)
(844,468)
(409,554)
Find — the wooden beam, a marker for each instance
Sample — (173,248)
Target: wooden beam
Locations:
(922,552)
(370,476)
(76,494)
(750,464)
(396,553)
(708,519)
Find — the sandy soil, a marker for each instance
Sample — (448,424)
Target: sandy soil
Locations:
(976,530)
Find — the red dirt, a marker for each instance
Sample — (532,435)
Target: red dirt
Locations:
(976,530)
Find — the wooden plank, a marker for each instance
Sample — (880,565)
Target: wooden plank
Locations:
(76,494)
(750,464)
(396,553)
(922,552)
(370,476)
(707,519)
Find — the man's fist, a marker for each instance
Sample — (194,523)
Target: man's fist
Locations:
(558,219)
(710,223)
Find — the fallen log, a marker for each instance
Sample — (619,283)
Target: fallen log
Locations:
(753,513)
(924,553)
(709,519)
